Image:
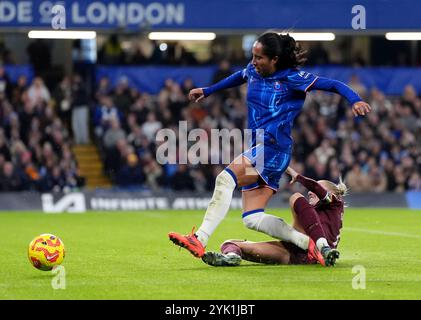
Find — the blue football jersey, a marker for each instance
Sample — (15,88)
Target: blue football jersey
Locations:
(274,102)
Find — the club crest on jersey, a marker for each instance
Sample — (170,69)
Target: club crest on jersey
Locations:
(277,85)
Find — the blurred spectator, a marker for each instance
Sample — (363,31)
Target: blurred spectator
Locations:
(62,96)
(11,178)
(186,57)
(104,89)
(223,71)
(356,84)
(6,55)
(151,126)
(324,152)
(111,52)
(187,86)
(377,179)
(80,111)
(54,180)
(130,174)
(38,93)
(122,97)
(4,148)
(138,56)
(39,56)
(103,114)
(317,55)
(356,180)
(182,179)
(358,59)
(140,109)
(113,134)
(5,83)
(31,171)
(414,182)
(153,171)
(157,55)
(199,179)
(27,117)
(18,89)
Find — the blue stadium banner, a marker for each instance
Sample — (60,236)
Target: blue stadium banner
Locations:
(151,79)
(16,71)
(391,81)
(216,14)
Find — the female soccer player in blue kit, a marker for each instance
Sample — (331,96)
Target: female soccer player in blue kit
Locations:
(275,96)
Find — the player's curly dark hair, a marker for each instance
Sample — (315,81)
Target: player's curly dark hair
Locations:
(283,46)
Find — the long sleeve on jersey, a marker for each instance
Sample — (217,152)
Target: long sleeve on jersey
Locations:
(313,186)
(336,86)
(233,80)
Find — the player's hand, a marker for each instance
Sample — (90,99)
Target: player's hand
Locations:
(196,94)
(360,108)
(292,173)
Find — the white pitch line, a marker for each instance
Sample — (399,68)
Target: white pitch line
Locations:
(385,233)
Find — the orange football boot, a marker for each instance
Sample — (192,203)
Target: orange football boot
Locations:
(190,242)
(314,253)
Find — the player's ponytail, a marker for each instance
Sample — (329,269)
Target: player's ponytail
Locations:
(342,189)
(339,190)
(283,46)
(300,55)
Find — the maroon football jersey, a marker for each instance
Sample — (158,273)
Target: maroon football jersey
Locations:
(331,216)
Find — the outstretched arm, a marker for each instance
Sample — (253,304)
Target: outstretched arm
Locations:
(233,80)
(359,107)
(308,183)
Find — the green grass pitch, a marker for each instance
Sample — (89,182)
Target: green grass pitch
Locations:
(127,255)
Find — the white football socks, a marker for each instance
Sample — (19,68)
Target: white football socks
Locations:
(218,206)
(321,242)
(275,227)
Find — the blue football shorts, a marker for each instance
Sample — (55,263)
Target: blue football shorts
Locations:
(270,162)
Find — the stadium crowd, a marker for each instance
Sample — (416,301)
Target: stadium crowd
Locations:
(379,153)
(35,145)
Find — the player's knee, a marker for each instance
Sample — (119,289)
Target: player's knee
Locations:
(252,221)
(230,246)
(249,223)
(224,179)
(294,198)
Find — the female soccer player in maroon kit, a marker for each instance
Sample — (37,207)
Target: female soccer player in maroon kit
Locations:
(320,217)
